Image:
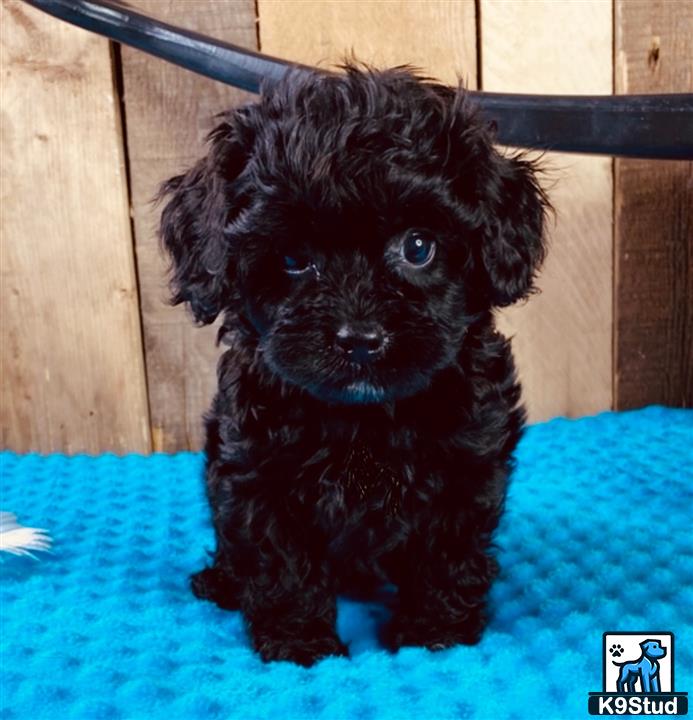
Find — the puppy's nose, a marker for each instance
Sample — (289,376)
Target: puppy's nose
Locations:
(360,342)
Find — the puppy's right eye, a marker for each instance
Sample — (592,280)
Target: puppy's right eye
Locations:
(418,248)
(296,264)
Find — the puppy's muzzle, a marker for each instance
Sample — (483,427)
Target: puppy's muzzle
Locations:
(361,342)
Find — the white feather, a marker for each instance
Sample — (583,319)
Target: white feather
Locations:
(19,540)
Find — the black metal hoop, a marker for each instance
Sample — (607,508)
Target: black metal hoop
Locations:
(647,126)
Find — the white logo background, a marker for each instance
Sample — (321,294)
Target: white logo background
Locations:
(632,652)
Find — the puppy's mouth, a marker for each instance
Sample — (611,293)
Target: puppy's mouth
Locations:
(359,392)
(350,383)
(342,387)
(368,391)
(335,380)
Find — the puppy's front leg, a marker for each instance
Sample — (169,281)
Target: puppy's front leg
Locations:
(447,572)
(289,602)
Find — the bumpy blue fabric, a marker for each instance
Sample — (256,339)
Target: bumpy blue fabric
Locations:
(596,537)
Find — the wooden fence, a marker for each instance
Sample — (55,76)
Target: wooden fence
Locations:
(92,357)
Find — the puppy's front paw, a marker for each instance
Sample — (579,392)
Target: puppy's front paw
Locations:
(404,631)
(303,651)
(213,585)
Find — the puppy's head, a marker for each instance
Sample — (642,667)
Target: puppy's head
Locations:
(358,224)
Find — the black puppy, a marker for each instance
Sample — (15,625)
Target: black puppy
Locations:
(356,232)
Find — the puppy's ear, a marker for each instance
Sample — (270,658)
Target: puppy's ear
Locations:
(200,204)
(513,214)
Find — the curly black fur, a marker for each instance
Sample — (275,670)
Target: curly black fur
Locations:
(330,471)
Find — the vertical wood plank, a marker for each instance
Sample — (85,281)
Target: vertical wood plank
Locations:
(654,218)
(72,365)
(169,112)
(437,36)
(562,337)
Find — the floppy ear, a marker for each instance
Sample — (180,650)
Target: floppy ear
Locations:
(199,205)
(513,245)
(504,201)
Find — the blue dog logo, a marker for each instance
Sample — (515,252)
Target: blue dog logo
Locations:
(641,686)
(645,669)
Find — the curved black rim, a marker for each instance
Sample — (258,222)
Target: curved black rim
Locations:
(646,126)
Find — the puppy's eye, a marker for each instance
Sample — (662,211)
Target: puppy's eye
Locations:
(297,264)
(418,248)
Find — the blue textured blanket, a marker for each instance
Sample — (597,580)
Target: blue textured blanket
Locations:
(596,537)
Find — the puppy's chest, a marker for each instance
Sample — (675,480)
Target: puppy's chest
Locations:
(367,478)
(359,480)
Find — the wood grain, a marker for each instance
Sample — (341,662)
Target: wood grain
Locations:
(654,219)
(72,366)
(562,337)
(169,112)
(437,36)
